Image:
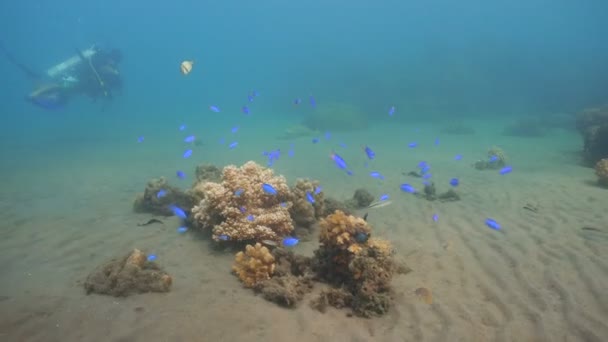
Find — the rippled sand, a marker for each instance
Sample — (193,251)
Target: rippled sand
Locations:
(540,278)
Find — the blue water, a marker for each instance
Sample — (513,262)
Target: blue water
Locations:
(485,64)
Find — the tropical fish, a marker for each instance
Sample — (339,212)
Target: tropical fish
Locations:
(338,160)
(182,230)
(310,198)
(151,257)
(161,193)
(454,182)
(250,218)
(368,151)
(180,174)
(312,101)
(177,211)
(233,145)
(318,190)
(140,139)
(190,139)
(238,192)
(234,129)
(187,153)
(412,144)
(505,170)
(391,111)
(384,197)
(492,224)
(214,109)
(297,101)
(408,188)
(269,189)
(290,241)
(245,110)
(435,217)
(379,204)
(270,243)
(458,157)
(186,67)
(376,174)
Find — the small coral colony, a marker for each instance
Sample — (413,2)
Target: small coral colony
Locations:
(251,209)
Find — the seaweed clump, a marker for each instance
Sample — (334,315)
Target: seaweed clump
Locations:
(361,199)
(359,267)
(430,194)
(207,173)
(291,280)
(151,202)
(129,275)
(279,276)
(308,203)
(496,159)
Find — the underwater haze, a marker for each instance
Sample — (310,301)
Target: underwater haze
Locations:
(460,119)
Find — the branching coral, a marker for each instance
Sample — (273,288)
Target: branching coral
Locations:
(239,209)
(256,264)
(303,212)
(601,170)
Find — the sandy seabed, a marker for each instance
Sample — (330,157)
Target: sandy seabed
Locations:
(540,278)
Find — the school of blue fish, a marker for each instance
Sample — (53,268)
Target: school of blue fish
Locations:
(338,161)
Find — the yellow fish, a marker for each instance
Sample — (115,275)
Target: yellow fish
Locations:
(186,67)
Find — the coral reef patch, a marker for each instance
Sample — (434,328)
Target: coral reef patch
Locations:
(496,159)
(601,171)
(129,275)
(592,124)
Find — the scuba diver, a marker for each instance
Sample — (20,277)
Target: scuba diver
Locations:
(92,72)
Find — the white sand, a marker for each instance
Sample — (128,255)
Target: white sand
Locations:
(541,278)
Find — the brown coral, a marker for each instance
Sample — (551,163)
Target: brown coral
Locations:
(362,267)
(341,231)
(303,212)
(601,170)
(256,264)
(238,208)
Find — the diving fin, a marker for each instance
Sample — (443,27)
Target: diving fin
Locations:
(26,70)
